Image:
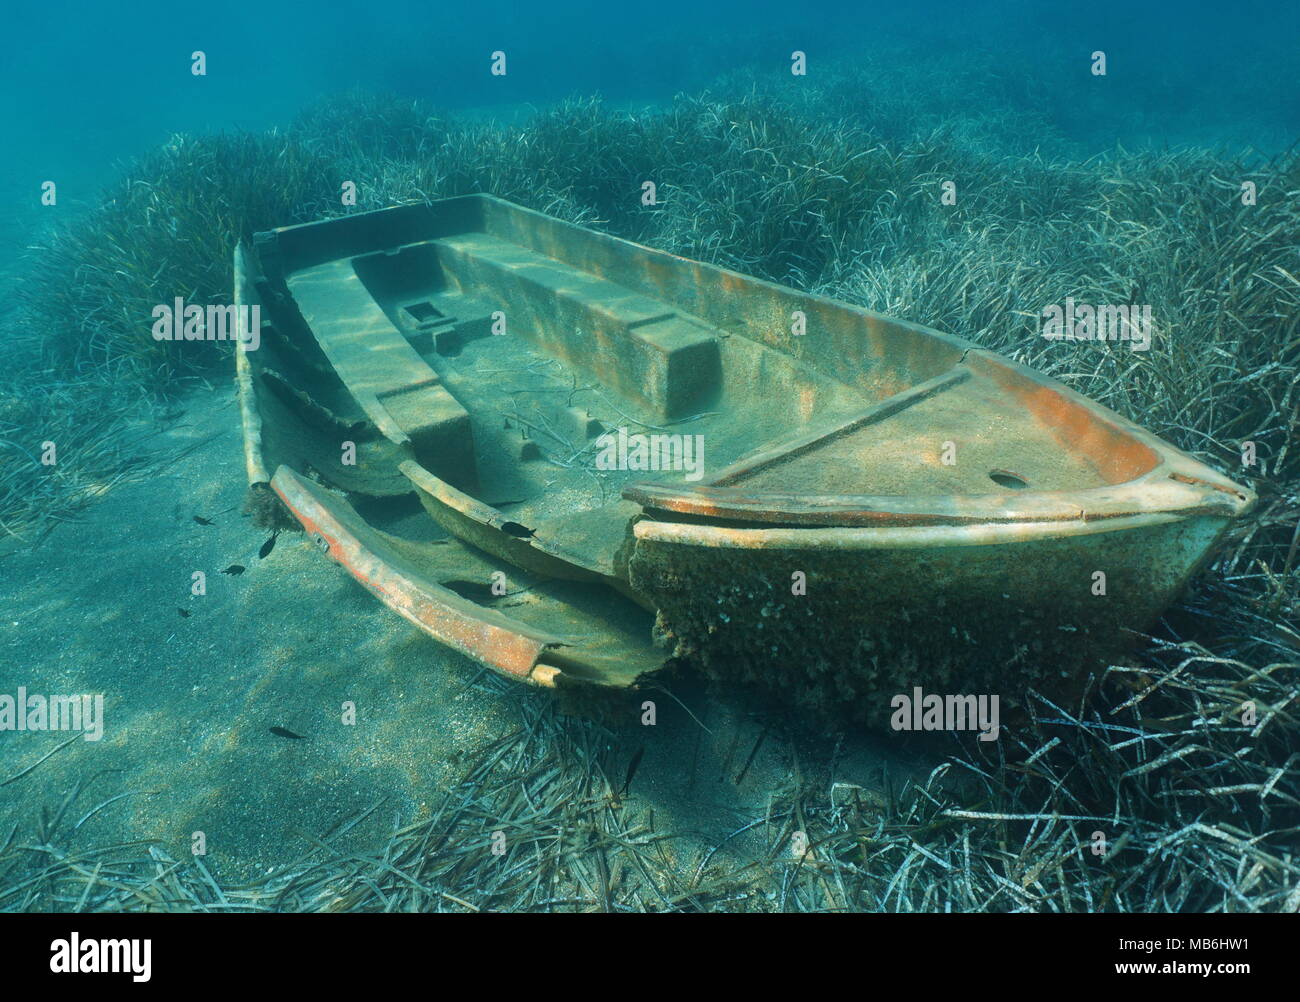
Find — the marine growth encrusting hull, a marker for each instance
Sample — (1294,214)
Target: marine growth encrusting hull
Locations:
(573,458)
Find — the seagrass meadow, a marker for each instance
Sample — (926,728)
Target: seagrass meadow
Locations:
(833,187)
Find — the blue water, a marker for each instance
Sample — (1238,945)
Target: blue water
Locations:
(91,85)
(87,87)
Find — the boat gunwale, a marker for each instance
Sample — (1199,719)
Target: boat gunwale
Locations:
(249,414)
(850,538)
(505,645)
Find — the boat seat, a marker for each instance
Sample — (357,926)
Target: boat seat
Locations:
(394,386)
(643,346)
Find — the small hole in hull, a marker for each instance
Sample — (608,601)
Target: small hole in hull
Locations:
(1005,478)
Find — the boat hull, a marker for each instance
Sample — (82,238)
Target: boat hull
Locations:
(883,505)
(851,617)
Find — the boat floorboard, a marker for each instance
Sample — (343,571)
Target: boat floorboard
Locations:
(991,446)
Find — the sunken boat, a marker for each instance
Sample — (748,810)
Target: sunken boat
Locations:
(576,459)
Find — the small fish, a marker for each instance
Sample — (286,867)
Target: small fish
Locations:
(234,569)
(631,770)
(282,732)
(267,547)
(185,613)
(203,521)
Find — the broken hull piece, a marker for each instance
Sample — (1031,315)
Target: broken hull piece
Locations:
(550,448)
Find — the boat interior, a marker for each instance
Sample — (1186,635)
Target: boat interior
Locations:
(498,346)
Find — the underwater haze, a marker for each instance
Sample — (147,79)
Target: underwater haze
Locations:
(91,85)
(968,167)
